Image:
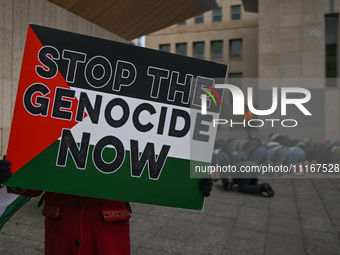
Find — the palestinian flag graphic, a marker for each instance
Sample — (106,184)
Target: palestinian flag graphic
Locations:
(9,204)
(109,120)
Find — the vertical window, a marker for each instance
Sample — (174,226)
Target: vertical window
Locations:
(235,79)
(236,48)
(182,23)
(199,19)
(235,12)
(181,49)
(217,15)
(331,51)
(164,47)
(199,50)
(217,50)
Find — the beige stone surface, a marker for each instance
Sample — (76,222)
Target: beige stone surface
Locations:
(4,140)
(310,6)
(292,45)
(290,70)
(310,44)
(268,35)
(290,58)
(290,8)
(270,71)
(290,33)
(269,59)
(269,21)
(308,57)
(312,70)
(332,117)
(295,36)
(313,18)
(246,28)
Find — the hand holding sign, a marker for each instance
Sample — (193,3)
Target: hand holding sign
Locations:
(206,185)
(5,170)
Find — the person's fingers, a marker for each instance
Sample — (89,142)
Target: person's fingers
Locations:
(5,169)
(4,176)
(5,163)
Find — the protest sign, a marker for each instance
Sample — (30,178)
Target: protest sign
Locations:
(109,120)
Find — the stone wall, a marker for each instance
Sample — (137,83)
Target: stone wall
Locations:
(292,45)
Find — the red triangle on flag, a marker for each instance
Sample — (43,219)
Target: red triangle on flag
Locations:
(31,134)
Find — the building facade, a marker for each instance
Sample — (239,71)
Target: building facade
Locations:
(226,35)
(270,43)
(14,19)
(299,43)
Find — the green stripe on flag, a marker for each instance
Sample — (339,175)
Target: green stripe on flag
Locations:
(174,187)
(12,208)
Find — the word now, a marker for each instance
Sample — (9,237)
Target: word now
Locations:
(80,155)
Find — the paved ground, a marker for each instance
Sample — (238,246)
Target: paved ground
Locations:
(302,218)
